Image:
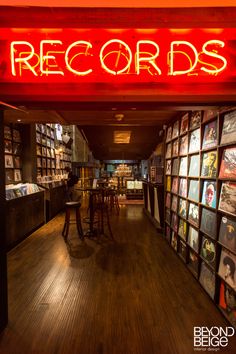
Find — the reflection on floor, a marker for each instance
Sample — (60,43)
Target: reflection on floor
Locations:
(132,295)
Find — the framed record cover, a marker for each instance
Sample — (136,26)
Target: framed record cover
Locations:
(168,167)
(227,234)
(168,233)
(227,302)
(208,223)
(174,240)
(209,164)
(168,200)
(175,148)
(168,216)
(174,188)
(229,129)
(17,175)
(16,136)
(175,132)
(194,166)
(209,114)
(194,144)
(7,132)
(208,251)
(168,183)
(9,161)
(193,214)
(195,119)
(193,192)
(182,250)
(210,135)
(9,176)
(184,124)
(193,262)
(207,280)
(182,231)
(16,149)
(209,194)
(174,203)
(169,134)
(193,238)
(228,164)
(183,187)
(168,151)
(227,268)
(183,208)
(7,146)
(175,167)
(227,201)
(183,167)
(183,150)
(174,222)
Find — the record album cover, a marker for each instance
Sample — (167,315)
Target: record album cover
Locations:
(227,201)
(209,164)
(174,222)
(193,238)
(175,132)
(207,280)
(208,251)
(17,161)
(174,240)
(16,136)
(193,214)
(9,176)
(168,216)
(227,234)
(193,262)
(175,148)
(208,222)
(175,167)
(209,114)
(210,135)
(182,249)
(182,231)
(194,144)
(194,166)
(168,233)
(174,188)
(227,268)
(183,145)
(209,194)
(195,119)
(7,132)
(17,148)
(8,146)
(183,187)
(9,161)
(193,192)
(17,175)
(168,151)
(168,183)
(228,164)
(184,124)
(183,208)
(183,167)
(169,134)
(174,203)
(229,128)
(168,167)
(168,200)
(227,302)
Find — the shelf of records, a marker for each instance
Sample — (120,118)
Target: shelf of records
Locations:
(13,150)
(14,191)
(49,182)
(200,201)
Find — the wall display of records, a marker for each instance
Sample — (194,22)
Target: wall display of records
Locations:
(200,209)
(13,158)
(50,160)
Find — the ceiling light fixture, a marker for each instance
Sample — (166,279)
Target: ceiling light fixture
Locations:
(122,137)
(119,117)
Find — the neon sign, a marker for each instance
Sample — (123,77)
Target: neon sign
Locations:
(71,55)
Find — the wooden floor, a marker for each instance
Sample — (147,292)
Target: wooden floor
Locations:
(131,296)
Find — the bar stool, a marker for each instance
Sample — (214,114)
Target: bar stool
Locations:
(70,206)
(101,215)
(112,199)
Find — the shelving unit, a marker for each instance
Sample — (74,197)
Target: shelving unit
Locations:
(13,152)
(200,200)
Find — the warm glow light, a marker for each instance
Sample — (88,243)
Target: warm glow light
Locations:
(69,63)
(45,58)
(214,55)
(150,59)
(172,52)
(113,72)
(122,137)
(21,60)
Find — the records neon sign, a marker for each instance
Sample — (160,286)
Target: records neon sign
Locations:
(70,55)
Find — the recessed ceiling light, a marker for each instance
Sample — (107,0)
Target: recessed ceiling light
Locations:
(114,109)
(122,137)
(133,109)
(18,120)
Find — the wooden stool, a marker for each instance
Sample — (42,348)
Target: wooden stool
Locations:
(101,213)
(70,206)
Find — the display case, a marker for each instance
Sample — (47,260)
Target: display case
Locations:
(134,190)
(13,154)
(200,200)
(24,210)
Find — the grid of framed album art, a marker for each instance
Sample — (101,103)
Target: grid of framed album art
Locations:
(200,208)
(13,154)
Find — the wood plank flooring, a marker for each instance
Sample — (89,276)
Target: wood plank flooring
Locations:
(131,296)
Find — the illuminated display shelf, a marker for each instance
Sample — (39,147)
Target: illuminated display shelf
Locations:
(200,184)
(13,154)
